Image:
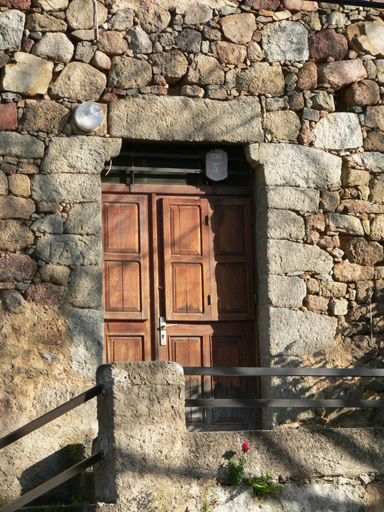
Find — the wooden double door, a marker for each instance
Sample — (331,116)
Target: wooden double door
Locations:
(178,285)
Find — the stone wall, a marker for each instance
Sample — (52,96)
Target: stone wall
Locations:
(153,464)
(298,84)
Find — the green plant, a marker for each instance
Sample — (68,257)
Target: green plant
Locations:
(363,509)
(236,469)
(79,501)
(263,485)
(209,498)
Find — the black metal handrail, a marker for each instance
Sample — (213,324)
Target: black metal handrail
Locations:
(52,483)
(40,422)
(283,372)
(50,416)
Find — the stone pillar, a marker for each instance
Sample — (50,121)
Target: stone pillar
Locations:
(141,431)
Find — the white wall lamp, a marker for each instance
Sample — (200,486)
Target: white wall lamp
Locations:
(89,116)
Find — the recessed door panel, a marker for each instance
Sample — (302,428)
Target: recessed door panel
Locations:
(186,224)
(187,289)
(188,351)
(186,259)
(122,225)
(125,348)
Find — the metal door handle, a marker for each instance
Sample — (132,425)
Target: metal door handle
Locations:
(163,330)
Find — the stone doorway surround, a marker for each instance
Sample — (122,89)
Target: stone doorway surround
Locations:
(289,181)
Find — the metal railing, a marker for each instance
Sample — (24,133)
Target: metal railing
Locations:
(34,425)
(283,372)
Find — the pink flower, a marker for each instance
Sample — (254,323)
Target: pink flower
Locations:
(245,447)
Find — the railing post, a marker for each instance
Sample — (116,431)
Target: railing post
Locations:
(141,429)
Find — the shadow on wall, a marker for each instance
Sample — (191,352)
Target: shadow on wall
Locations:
(54,464)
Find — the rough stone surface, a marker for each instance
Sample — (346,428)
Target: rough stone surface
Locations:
(127,73)
(47,294)
(355,177)
(153,19)
(238,28)
(363,252)
(282,125)
(375,117)
(308,258)
(283,224)
(333,289)
(71,250)
(341,73)
(113,43)
(58,188)
(11,29)
(292,198)
(338,131)
(307,76)
(3,184)
(262,78)
(344,224)
(228,53)
(348,272)
(44,116)
(338,307)
(45,23)
(13,302)
(80,14)
(363,93)
(49,224)
(57,274)
(122,20)
(374,141)
(101,61)
(79,81)
(17,267)
(86,350)
(19,185)
(285,40)
(367,37)
(296,333)
(327,45)
(84,219)
(295,166)
(316,303)
(371,161)
(205,70)
(189,40)
(300,5)
(54,46)
(140,42)
(20,146)
(255,53)
(285,292)
(79,154)
(8,116)
(377,190)
(187,119)
(15,235)
(84,51)
(270,5)
(12,207)
(86,287)
(196,14)
(377,228)
(172,65)
(29,75)
(59,5)
(323,100)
